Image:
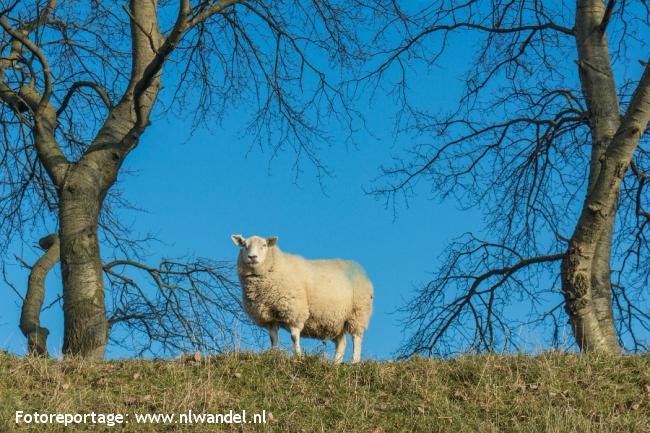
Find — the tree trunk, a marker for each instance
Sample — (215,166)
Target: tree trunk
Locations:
(85,185)
(586,267)
(589,300)
(601,282)
(579,264)
(84,312)
(82,185)
(586,273)
(30,317)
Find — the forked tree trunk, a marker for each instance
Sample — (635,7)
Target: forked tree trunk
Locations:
(83,184)
(86,183)
(579,264)
(590,308)
(605,115)
(586,273)
(586,266)
(84,312)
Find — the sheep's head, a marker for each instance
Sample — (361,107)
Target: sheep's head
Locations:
(254,250)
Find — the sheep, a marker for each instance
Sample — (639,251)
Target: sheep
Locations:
(323,299)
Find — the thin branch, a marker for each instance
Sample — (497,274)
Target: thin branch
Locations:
(80,84)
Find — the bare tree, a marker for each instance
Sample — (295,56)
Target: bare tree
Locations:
(194,305)
(553,148)
(179,306)
(79,81)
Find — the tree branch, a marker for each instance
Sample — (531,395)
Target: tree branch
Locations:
(31,46)
(78,85)
(30,323)
(607,16)
(193,305)
(477,294)
(210,11)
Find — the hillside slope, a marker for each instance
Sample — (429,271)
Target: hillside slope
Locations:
(548,393)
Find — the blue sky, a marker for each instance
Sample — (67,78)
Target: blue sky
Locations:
(198,188)
(197,192)
(218,189)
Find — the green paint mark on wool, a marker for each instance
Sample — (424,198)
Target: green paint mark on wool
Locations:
(354,271)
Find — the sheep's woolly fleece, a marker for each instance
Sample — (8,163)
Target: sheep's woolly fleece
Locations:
(322,299)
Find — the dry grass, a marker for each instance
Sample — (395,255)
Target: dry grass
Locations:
(552,392)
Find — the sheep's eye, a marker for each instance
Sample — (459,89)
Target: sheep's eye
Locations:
(263,245)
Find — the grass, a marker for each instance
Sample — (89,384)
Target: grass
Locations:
(552,392)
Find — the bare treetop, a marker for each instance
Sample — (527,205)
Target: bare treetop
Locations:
(72,62)
(79,82)
(547,85)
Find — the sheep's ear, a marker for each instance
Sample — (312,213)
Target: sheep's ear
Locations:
(238,240)
(272,240)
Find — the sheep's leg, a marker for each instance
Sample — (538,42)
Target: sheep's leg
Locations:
(356,343)
(295,338)
(340,348)
(273,333)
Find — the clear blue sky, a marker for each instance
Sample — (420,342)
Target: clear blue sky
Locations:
(199,188)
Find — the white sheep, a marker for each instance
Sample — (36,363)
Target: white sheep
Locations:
(322,299)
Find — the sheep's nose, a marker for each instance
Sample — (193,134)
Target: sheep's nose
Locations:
(252,257)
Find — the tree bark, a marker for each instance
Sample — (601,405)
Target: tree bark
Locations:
(589,309)
(82,185)
(586,271)
(588,290)
(601,283)
(84,312)
(598,86)
(30,317)
(86,183)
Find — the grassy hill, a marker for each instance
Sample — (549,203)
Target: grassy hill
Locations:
(552,392)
